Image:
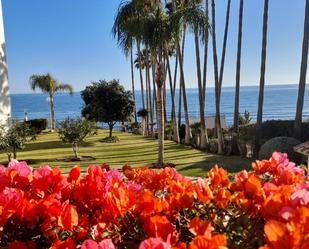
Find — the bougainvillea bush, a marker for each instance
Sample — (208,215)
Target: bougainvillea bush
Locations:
(267,208)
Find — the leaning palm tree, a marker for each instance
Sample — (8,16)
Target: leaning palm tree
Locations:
(237,88)
(303,74)
(262,76)
(49,85)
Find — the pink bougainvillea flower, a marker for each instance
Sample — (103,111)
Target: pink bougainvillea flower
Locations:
(91,244)
(155,243)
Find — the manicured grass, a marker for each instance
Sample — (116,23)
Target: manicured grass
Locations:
(133,150)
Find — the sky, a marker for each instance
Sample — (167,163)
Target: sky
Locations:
(72,40)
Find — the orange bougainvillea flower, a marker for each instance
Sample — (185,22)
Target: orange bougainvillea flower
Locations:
(202,191)
(199,227)
(218,177)
(159,227)
(202,242)
(253,186)
(69,216)
(74,174)
(222,198)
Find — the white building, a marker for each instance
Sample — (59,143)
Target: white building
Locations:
(5,103)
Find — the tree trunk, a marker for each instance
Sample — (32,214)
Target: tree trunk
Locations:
(155,110)
(181,78)
(262,76)
(175,83)
(140,72)
(133,87)
(185,104)
(217,83)
(160,112)
(147,95)
(150,111)
(52,112)
(303,75)
(226,31)
(237,88)
(205,55)
(111,126)
(203,142)
(75,150)
(176,130)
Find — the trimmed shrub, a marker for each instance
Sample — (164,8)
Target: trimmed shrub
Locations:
(37,125)
(213,145)
(281,144)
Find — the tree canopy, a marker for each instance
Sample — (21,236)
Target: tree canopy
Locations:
(108,102)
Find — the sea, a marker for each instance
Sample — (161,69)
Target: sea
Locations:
(279,103)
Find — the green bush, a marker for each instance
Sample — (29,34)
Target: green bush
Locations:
(213,145)
(273,128)
(280,144)
(37,125)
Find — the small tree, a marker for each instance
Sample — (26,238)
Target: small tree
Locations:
(74,131)
(108,102)
(14,138)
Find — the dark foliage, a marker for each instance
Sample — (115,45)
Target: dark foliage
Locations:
(108,102)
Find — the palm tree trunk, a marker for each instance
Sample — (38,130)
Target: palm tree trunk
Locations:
(175,82)
(303,75)
(185,104)
(237,88)
(147,94)
(205,55)
(52,112)
(181,78)
(160,78)
(133,87)
(226,30)
(140,72)
(262,76)
(176,131)
(155,107)
(217,82)
(203,142)
(150,98)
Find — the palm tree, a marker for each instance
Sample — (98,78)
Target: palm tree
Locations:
(237,88)
(175,125)
(303,74)
(226,30)
(217,82)
(199,27)
(49,85)
(262,76)
(205,55)
(133,83)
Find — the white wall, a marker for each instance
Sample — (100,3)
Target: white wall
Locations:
(5,103)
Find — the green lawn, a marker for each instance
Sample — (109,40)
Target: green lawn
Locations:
(132,149)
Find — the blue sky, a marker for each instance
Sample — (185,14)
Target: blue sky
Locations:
(72,40)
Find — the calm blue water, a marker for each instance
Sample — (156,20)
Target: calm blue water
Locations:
(279,103)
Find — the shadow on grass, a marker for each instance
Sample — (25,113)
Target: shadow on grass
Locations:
(52,145)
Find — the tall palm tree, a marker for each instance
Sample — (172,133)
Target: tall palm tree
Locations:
(132,80)
(199,27)
(262,76)
(303,74)
(237,88)
(175,125)
(217,82)
(49,85)
(226,30)
(205,54)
